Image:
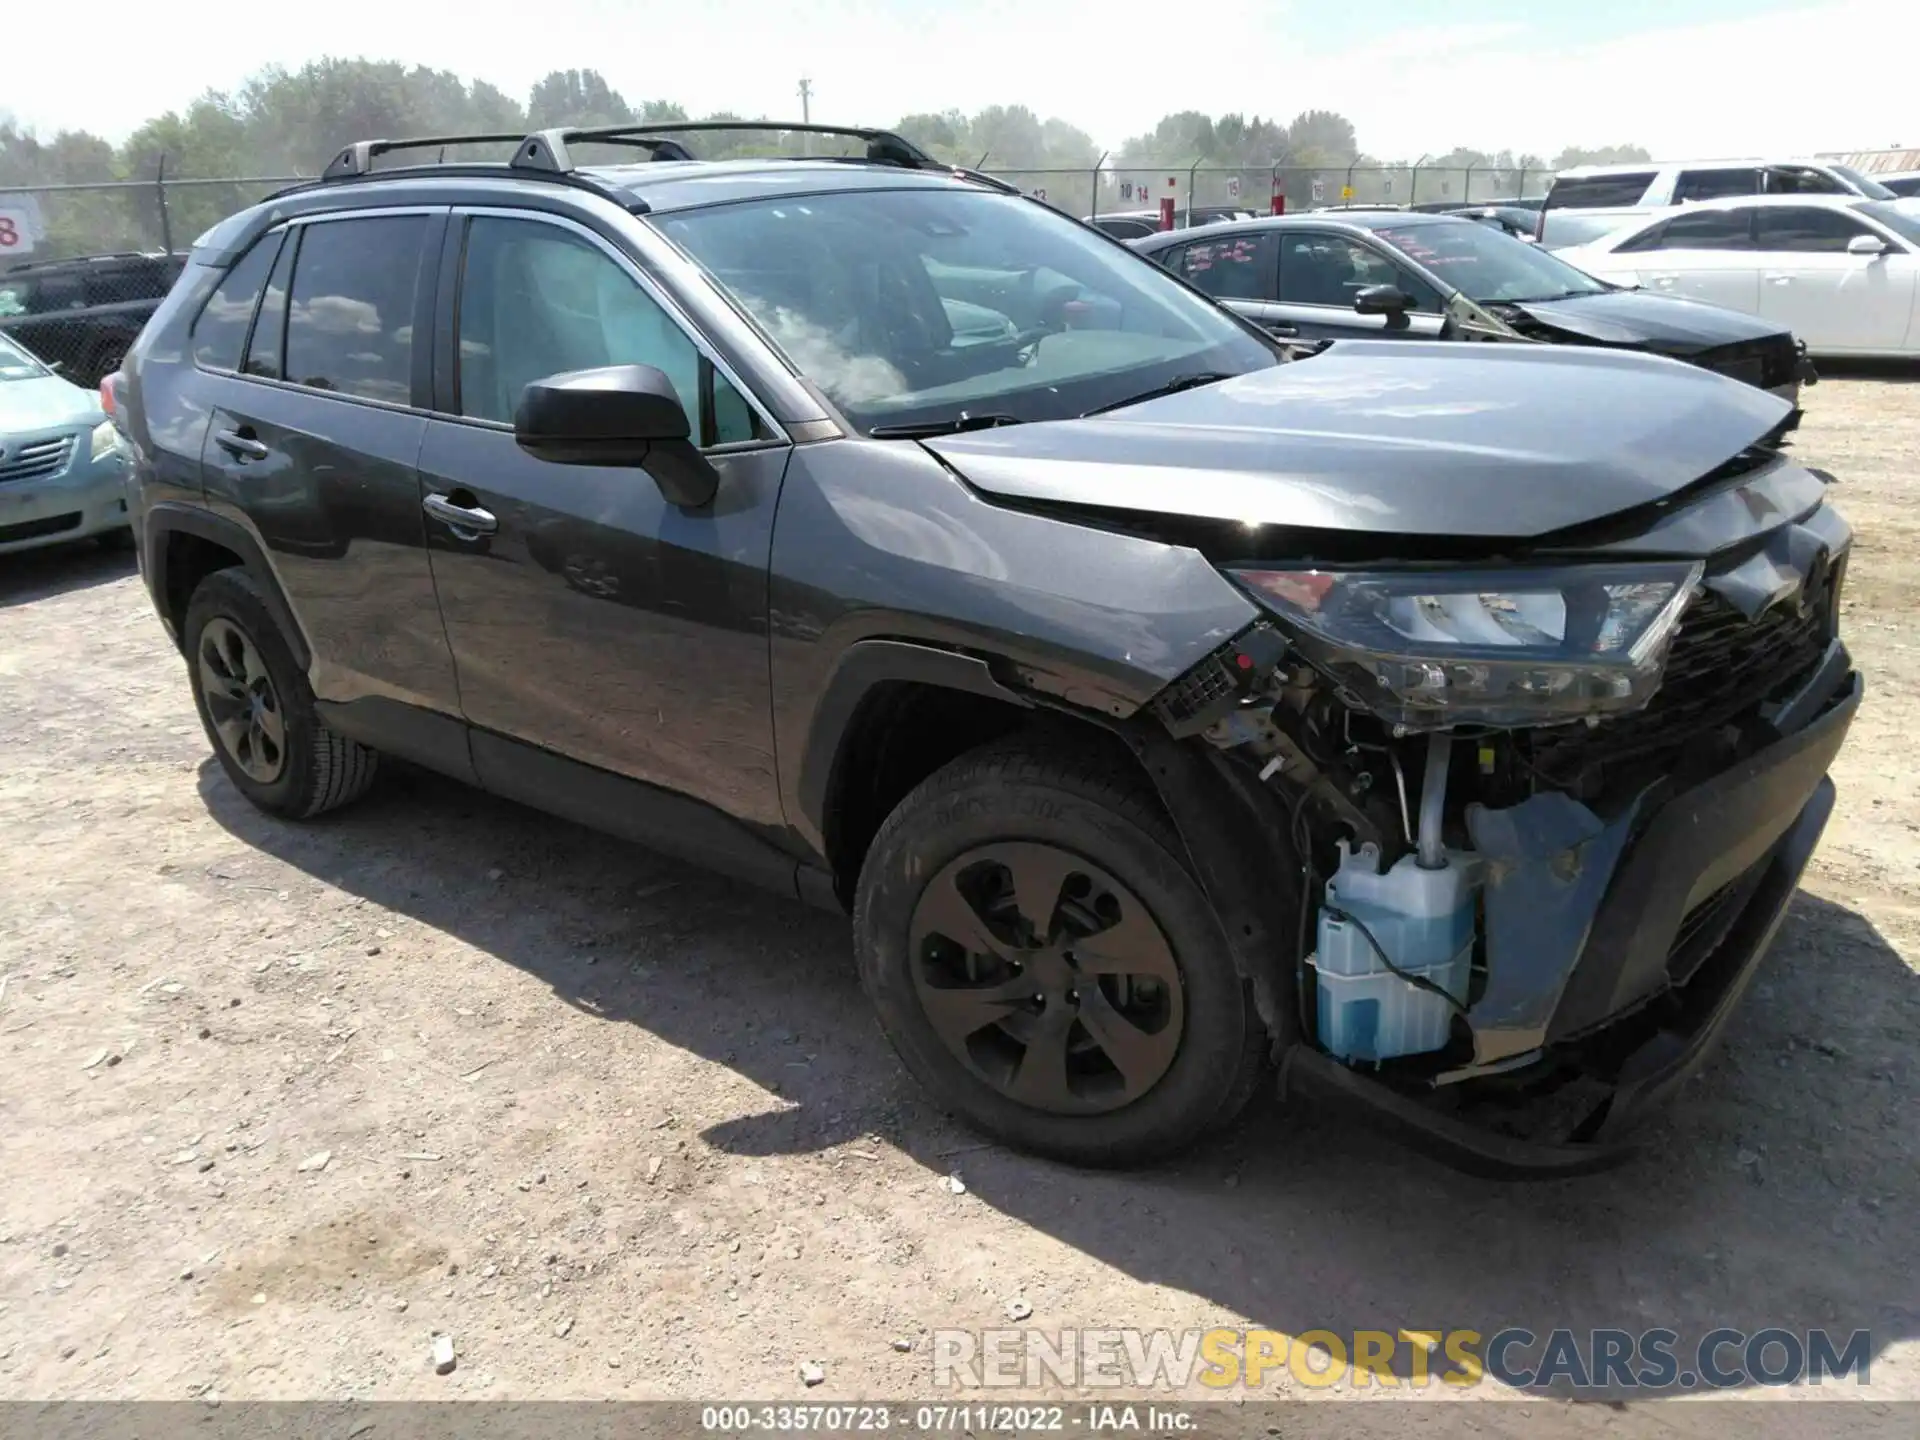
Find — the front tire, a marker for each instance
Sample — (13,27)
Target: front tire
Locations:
(1045,965)
(258,709)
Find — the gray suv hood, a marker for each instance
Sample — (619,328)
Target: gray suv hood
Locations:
(1392,437)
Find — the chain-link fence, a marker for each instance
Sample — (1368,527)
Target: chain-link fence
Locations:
(1110,190)
(83,266)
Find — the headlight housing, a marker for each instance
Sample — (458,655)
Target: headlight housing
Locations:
(106,440)
(1427,650)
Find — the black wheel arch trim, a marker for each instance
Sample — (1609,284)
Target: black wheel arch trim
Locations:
(170,517)
(862,668)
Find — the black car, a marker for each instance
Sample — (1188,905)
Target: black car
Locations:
(1443,726)
(82,314)
(1133,224)
(1404,274)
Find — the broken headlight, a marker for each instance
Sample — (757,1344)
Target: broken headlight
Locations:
(1432,649)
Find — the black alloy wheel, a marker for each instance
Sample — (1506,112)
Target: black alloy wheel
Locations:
(1047,977)
(241,701)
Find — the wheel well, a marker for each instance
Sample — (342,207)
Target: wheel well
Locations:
(189,560)
(901,733)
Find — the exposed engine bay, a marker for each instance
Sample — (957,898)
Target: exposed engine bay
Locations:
(1460,824)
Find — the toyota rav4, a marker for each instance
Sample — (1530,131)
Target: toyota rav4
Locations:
(1443,728)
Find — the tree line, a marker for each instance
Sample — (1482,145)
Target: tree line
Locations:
(286,122)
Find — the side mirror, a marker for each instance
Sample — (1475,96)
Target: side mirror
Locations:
(616,415)
(1387,300)
(1866,245)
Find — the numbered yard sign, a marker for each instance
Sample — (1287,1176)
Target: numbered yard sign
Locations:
(1319,190)
(1233,187)
(19,226)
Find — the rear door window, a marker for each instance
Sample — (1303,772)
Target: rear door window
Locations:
(267,347)
(1598,192)
(1704,230)
(1808,230)
(220,334)
(350,309)
(1235,267)
(1717,184)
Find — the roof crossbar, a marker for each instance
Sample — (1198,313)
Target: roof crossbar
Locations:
(357,159)
(549,150)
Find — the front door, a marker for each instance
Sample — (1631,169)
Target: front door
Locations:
(1322,271)
(1834,300)
(589,616)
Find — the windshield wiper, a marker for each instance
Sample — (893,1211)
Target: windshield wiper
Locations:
(1172,387)
(959,425)
(1549,299)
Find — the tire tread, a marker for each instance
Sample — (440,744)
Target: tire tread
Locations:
(338,770)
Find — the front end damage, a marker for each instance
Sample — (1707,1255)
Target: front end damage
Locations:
(1504,887)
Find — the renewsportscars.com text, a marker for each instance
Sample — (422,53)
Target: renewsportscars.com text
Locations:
(1220,1359)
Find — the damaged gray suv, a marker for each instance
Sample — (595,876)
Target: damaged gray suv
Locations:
(1440,728)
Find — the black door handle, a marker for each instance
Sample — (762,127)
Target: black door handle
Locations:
(240,444)
(466,521)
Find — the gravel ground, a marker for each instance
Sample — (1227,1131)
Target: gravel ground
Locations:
(279,1104)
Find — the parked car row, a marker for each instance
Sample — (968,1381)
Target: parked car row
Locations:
(1132,224)
(1840,272)
(1165,701)
(1396,274)
(1589,200)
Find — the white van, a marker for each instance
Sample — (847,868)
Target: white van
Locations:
(1589,200)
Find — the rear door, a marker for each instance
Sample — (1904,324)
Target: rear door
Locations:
(317,420)
(1702,254)
(1837,302)
(590,618)
(1240,271)
(1321,271)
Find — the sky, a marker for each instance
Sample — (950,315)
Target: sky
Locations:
(1682,77)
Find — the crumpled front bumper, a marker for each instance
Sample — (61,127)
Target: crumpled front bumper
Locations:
(1639,1012)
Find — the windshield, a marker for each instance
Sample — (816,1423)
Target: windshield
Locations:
(1865,184)
(920,307)
(17,364)
(1902,222)
(1488,265)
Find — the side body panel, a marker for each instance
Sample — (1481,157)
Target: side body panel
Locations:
(879,540)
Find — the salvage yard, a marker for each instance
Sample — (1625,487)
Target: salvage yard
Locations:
(281,1104)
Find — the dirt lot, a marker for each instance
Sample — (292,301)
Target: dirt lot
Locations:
(280,1103)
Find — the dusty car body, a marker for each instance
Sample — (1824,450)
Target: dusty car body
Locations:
(1444,727)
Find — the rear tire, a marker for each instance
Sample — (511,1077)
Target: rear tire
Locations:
(1129,977)
(258,709)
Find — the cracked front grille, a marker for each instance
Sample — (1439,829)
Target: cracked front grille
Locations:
(1721,667)
(1768,362)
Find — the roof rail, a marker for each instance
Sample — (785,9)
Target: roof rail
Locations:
(358,158)
(548,153)
(548,150)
